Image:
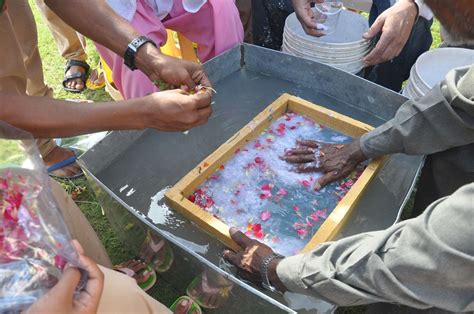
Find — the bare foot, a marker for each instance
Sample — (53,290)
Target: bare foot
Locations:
(96,79)
(184,307)
(59,154)
(75,83)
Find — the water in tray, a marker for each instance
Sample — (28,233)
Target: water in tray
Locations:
(258,193)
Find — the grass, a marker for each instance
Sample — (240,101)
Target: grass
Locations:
(53,67)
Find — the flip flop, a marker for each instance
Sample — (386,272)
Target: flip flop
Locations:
(62,164)
(78,75)
(191,308)
(145,285)
(221,291)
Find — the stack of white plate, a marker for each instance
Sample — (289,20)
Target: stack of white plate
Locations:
(344,48)
(432,67)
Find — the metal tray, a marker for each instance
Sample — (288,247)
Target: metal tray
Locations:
(130,171)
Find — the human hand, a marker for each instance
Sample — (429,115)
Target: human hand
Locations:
(249,261)
(174,71)
(335,161)
(396,24)
(62,298)
(306,16)
(177,110)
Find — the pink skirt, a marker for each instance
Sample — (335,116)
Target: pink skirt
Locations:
(216,28)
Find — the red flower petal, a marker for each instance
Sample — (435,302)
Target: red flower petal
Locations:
(259,160)
(192,198)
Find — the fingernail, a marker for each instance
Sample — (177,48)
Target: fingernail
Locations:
(317,186)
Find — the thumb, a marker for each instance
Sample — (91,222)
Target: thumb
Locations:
(375,28)
(66,286)
(326,179)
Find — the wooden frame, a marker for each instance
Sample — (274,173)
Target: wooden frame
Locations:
(176,197)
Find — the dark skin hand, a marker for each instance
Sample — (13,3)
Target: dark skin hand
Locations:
(336,161)
(249,260)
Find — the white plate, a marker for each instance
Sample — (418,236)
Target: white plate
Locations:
(433,65)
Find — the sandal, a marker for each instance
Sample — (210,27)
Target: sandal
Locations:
(157,252)
(62,164)
(136,268)
(185,305)
(209,290)
(74,76)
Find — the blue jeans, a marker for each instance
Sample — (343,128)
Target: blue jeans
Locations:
(393,73)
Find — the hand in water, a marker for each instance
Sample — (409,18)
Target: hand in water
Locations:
(336,161)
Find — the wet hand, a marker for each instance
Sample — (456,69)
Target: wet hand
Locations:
(336,161)
(306,16)
(177,110)
(395,25)
(249,261)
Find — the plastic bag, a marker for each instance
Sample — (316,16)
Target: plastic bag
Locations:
(35,243)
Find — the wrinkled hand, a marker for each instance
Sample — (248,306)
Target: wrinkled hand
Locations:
(62,298)
(249,261)
(396,25)
(174,71)
(335,161)
(177,110)
(306,16)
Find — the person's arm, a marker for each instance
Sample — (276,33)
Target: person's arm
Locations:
(47,118)
(423,262)
(105,27)
(443,119)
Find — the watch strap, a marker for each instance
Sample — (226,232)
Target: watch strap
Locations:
(264,271)
(132,48)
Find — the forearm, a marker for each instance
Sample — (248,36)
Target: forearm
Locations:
(442,119)
(422,262)
(97,21)
(48,118)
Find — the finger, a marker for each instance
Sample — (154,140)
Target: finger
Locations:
(66,286)
(241,239)
(300,151)
(327,179)
(374,29)
(201,78)
(309,143)
(313,32)
(306,168)
(376,55)
(204,114)
(187,79)
(203,100)
(232,257)
(299,159)
(78,247)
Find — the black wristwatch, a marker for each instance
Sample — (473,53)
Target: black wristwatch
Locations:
(132,48)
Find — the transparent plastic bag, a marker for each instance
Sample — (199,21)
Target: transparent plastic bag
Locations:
(35,243)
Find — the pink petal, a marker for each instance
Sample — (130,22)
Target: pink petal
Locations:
(265,215)
(302,233)
(259,160)
(267,187)
(306,183)
(296,208)
(282,192)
